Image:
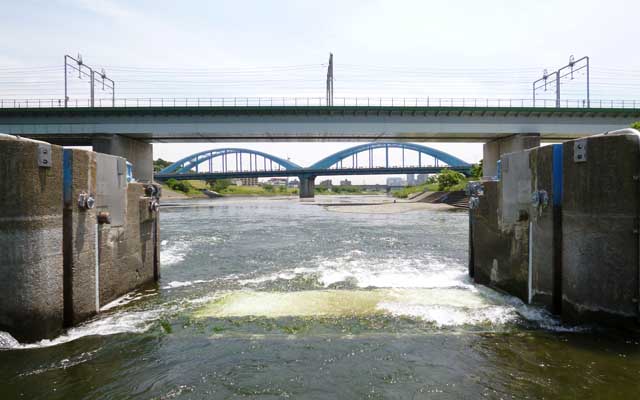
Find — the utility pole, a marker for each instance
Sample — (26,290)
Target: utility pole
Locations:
(329,95)
(85,70)
(573,66)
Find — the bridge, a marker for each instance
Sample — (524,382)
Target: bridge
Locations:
(357,160)
(127,129)
(298,119)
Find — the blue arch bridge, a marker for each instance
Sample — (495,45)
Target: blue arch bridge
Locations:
(366,159)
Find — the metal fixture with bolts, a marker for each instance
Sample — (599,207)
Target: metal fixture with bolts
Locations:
(86,201)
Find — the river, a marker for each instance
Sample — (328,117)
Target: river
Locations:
(273,298)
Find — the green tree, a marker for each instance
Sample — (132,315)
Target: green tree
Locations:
(636,125)
(180,186)
(160,164)
(448,178)
(218,185)
(476,170)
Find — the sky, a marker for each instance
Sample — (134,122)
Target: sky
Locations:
(401,49)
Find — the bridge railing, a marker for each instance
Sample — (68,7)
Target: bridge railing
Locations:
(315,102)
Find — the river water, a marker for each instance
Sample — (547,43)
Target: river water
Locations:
(272,298)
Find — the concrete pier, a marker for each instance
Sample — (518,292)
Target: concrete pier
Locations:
(137,152)
(560,228)
(31,258)
(494,149)
(307,187)
(74,235)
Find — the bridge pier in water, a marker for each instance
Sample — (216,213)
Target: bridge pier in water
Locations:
(307,186)
(559,229)
(494,149)
(74,235)
(137,152)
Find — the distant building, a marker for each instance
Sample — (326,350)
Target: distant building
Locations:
(249,181)
(422,178)
(245,181)
(393,181)
(277,181)
(294,183)
(327,183)
(411,179)
(345,182)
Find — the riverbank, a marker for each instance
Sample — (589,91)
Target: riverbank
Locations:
(389,208)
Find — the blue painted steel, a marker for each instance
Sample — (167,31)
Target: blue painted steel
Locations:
(67,175)
(327,162)
(557,174)
(189,162)
(187,165)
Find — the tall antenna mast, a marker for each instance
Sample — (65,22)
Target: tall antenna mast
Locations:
(329,95)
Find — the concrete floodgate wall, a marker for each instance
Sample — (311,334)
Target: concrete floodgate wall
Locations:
(560,229)
(31,265)
(600,228)
(500,226)
(58,264)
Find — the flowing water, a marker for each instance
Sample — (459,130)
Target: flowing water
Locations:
(280,299)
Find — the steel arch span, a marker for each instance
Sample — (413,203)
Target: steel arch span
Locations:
(193,161)
(328,162)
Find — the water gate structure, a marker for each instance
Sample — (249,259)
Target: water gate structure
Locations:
(74,234)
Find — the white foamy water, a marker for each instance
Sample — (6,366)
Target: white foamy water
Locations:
(179,284)
(173,252)
(379,273)
(122,322)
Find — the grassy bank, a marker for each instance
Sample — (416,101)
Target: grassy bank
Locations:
(258,191)
(427,187)
(193,188)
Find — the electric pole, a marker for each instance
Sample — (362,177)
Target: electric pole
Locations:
(573,66)
(85,70)
(329,95)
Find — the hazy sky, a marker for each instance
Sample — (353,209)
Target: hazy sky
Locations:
(280,48)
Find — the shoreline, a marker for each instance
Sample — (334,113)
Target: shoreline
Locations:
(390,208)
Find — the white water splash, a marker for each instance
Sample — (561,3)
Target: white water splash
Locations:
(173,252)
(385,273)
(179,284)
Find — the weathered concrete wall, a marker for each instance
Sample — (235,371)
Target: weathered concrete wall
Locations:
(500,226)
(599,227)
(137,152)
(31,261)
(111,193)
(79,245)
(129,254)
(545,236)
(580,201)
(51,273)
(493,150)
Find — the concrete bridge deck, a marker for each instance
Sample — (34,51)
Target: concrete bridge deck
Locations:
(310,123)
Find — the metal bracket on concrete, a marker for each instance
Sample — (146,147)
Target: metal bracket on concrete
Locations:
(86,201)
(44,155)
(580,150)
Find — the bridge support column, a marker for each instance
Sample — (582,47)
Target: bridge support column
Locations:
(307,187)
(137,152)
(494,149)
